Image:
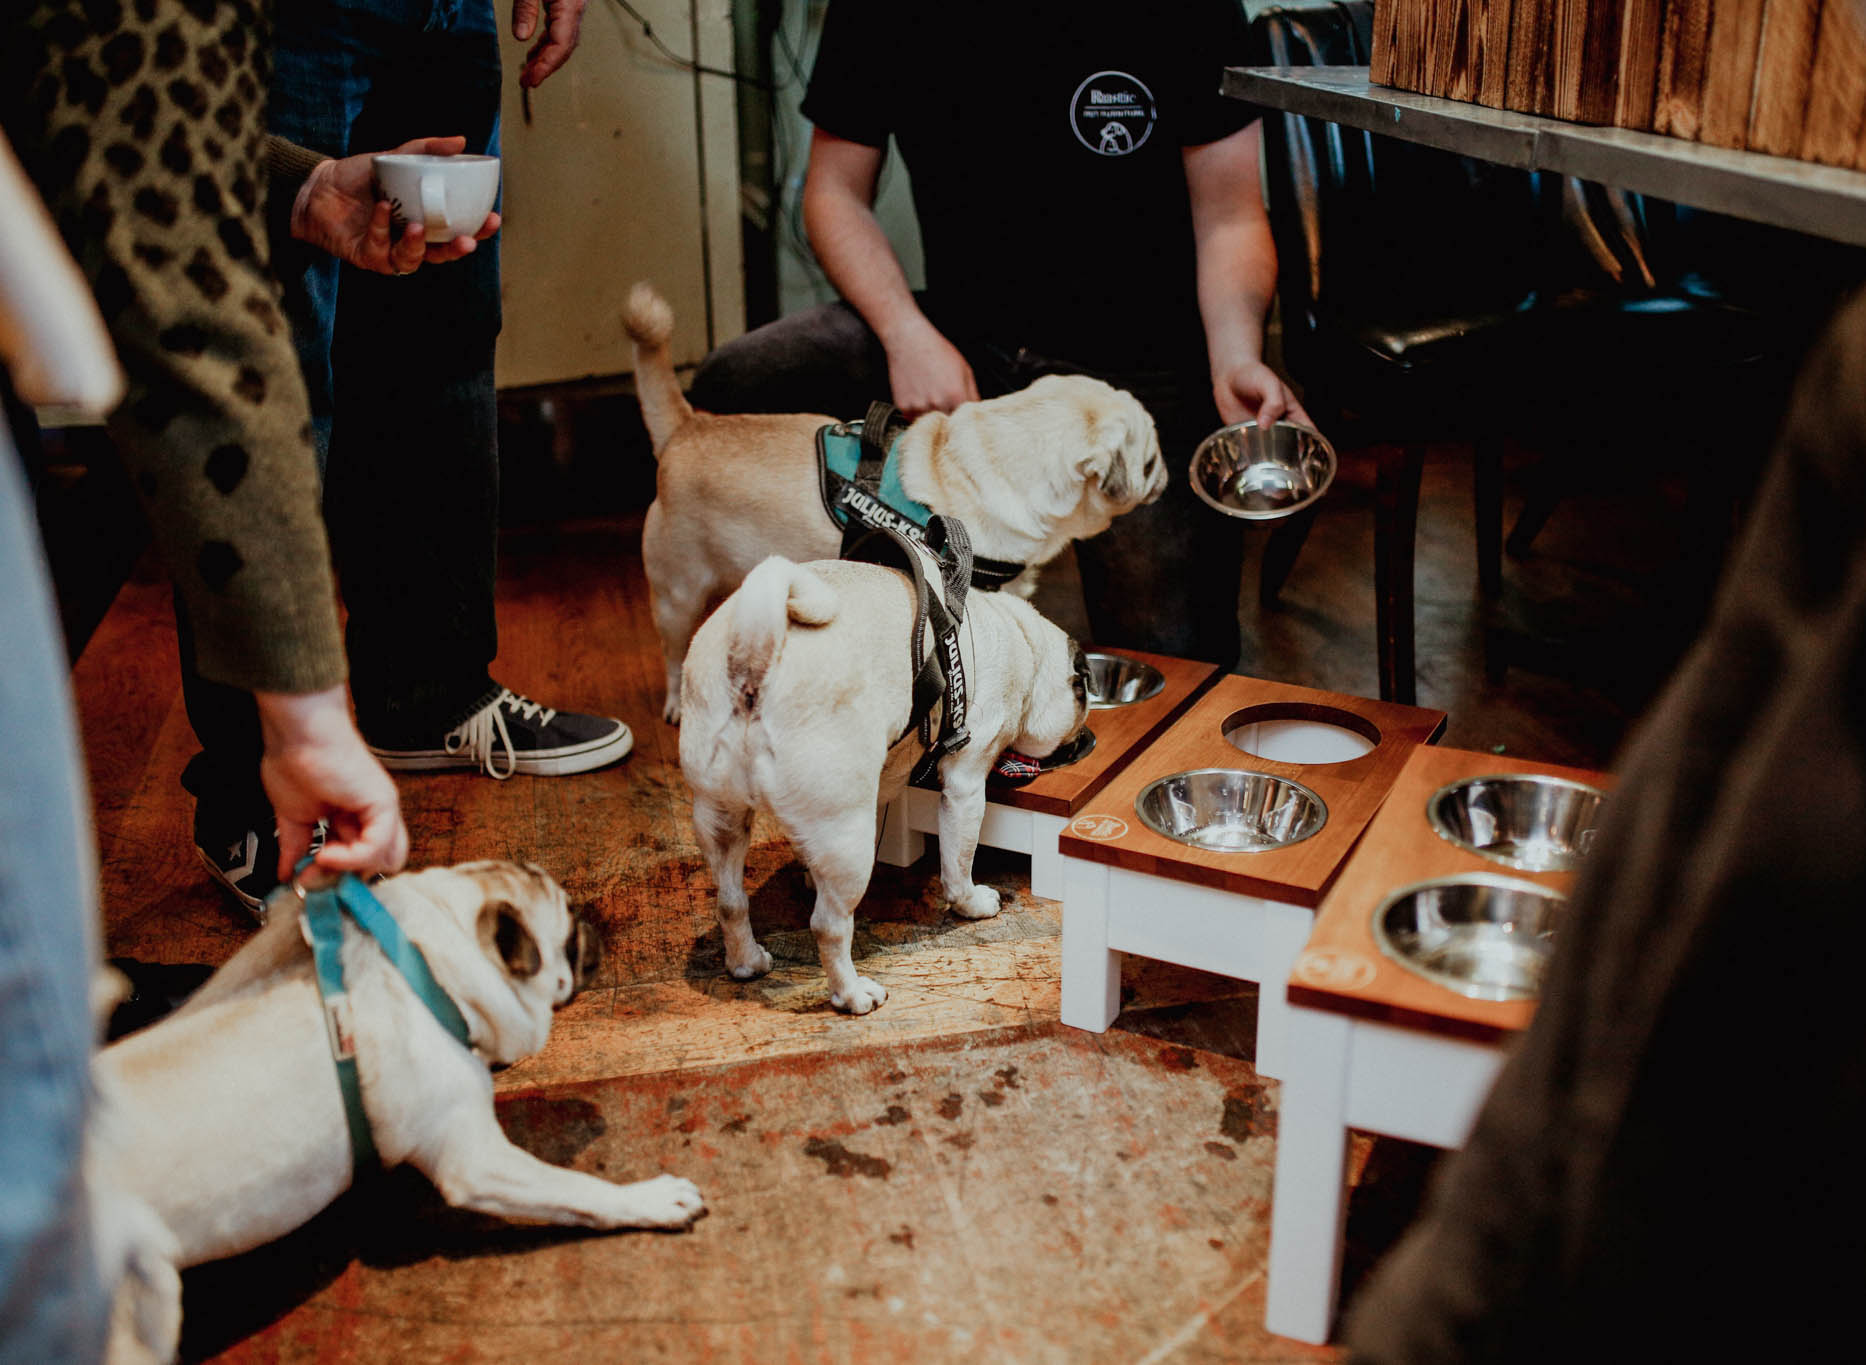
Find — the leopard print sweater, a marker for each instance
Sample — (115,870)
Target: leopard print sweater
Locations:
(143,123)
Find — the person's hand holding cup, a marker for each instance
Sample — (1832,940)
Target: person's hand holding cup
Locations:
(370,210)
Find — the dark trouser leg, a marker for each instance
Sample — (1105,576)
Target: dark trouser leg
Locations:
(823,360)
(1163,577)
(411,495)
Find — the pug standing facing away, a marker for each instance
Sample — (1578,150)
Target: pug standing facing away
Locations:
(222,1126)
(798,695)
(1027,473)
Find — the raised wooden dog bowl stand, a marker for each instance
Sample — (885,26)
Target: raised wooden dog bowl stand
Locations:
(1027,818)
(1373,1045)
(1127,889)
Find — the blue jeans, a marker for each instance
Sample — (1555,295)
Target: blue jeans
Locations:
(52,1304)
(1162,578)
(400,372)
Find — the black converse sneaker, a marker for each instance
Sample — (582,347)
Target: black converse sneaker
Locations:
(514,734)
(246,864)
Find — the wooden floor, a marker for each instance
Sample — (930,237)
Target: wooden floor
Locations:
(955,1177)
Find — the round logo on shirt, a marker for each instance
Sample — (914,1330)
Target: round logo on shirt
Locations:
(1112,113)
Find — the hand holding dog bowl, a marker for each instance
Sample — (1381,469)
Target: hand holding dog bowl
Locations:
(1263,473)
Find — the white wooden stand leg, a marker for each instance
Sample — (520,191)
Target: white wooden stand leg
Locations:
(1046,864)
(1091,969)
(1286,929)
(899,845)
(1309,1208)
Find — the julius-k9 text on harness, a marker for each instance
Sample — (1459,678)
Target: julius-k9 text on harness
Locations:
(858,474)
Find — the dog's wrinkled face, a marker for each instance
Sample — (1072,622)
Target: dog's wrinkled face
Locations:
(518,919)
(1059,699)
(1084,676)
(1124,452)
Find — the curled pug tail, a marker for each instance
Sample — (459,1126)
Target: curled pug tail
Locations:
(773,595)
(650,324)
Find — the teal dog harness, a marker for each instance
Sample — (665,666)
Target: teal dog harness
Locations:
(858,474)
(324,912)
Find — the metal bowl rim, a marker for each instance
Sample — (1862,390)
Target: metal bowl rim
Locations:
(1435,818)
(1310,792)
(1456,985)
(1328,476)
(1152,692)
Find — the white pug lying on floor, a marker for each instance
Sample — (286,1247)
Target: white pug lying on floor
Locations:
(222,1127)
(795,697)
(1027,473)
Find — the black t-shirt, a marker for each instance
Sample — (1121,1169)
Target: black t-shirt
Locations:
(1044,139)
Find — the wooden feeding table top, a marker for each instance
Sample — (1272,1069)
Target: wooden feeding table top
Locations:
(1343,970)
(1828,201)
(1120,732)
(1111,831)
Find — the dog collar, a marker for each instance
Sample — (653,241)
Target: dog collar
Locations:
(859,476)
(322,925)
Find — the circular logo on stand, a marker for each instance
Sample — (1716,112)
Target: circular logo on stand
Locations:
(1101,827)
(1333,970)
(1112,113)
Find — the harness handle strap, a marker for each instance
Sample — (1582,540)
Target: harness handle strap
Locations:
(951,543)
(876,437)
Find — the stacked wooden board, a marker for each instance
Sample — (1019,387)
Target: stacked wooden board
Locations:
(1787,77)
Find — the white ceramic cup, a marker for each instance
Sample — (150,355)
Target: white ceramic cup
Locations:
(450,196)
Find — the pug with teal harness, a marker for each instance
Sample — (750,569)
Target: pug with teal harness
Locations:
(1027,473)
(351,1034)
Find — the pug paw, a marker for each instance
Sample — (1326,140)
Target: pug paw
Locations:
(860,998)
(671,711)
(666,1201)
(980,902)
(756,965)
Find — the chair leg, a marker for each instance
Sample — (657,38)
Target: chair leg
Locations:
(1487,494)
(1540,495)
(1279,554)
(1396,518)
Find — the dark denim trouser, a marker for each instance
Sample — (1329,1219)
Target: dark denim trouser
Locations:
(1162,578)
(400,376)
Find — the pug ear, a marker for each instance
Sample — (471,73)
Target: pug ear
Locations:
(584,949)
(1108,439)
(504,937)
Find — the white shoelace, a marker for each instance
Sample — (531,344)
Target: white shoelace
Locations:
(476,734)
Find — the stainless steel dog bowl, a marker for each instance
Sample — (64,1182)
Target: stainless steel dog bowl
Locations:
(1230,810)
(1484,936)
(1118,681)
(1538,824)
(1261,473)
(1072,750)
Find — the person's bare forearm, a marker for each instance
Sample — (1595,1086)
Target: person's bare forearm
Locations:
(859,260)
(1236,255)
(1236,282)
(926,372)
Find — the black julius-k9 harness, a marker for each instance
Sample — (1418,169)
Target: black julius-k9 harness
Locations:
(858,475)
(939,672)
